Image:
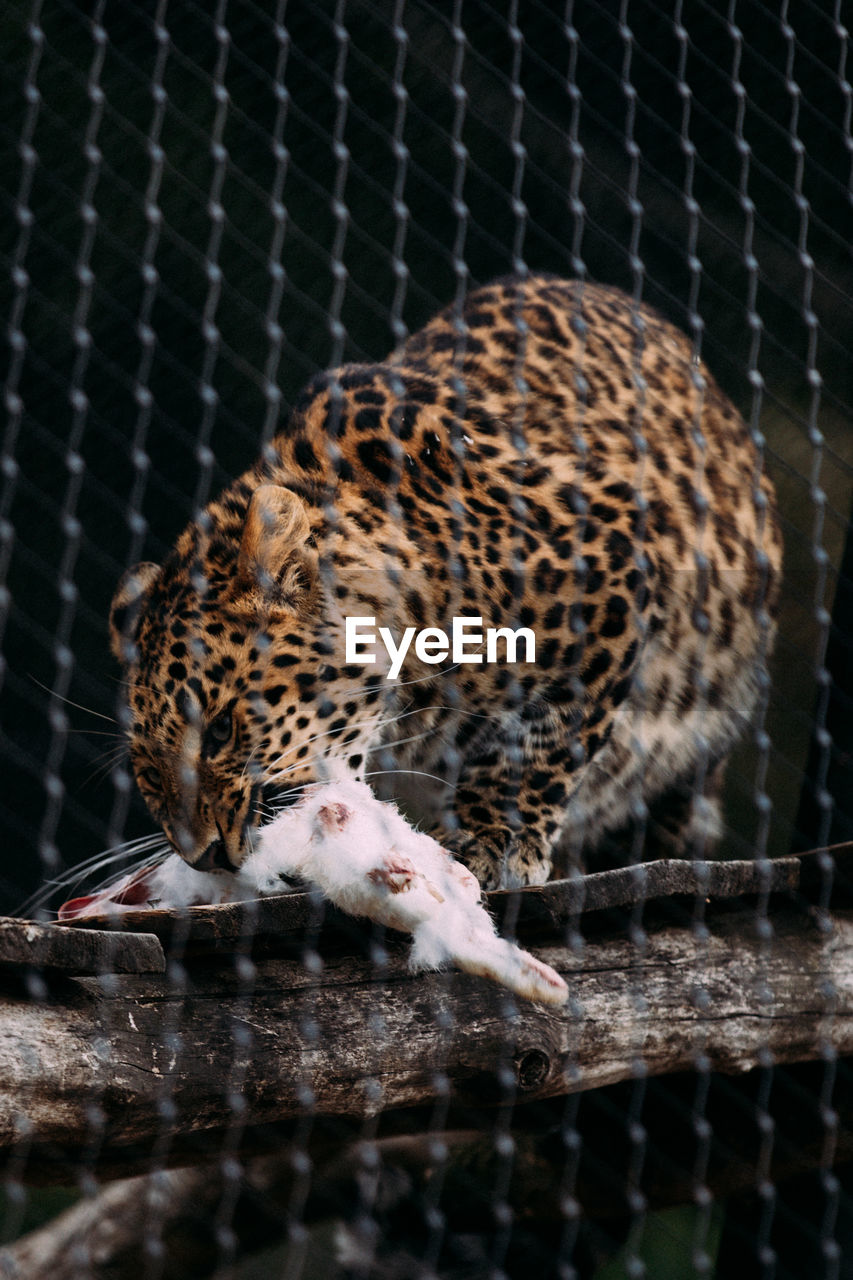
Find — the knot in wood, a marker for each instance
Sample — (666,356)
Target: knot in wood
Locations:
(532,1068)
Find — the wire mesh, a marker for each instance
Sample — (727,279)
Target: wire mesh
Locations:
(207,205)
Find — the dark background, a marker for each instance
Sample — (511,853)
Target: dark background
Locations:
(196,216)
(202,204)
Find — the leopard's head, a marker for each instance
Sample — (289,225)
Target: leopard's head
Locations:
(233,662)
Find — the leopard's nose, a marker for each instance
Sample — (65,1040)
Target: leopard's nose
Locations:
(214,858)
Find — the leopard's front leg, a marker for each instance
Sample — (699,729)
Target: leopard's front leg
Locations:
(519,777)
(509,819)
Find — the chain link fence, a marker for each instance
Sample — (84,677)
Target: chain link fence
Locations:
(203,206)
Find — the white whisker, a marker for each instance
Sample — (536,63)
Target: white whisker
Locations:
(381,726)
(77,705)
(415,773)
(135,852)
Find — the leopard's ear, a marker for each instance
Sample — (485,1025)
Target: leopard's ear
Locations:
(126,609)
(278,562)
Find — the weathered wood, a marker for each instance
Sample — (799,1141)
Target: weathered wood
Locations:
(274,924)
(348,1038)
(105,1236)
(561,901)
(24,944)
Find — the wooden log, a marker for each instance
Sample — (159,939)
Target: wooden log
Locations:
(202,1049)
(277,923)
(25,945)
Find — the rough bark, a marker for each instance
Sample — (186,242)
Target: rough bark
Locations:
(25,945)
(282,1019)
(345,1036)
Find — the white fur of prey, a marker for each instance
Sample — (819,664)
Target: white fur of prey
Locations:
(368,861)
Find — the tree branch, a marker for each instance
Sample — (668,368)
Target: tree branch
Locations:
(353,1039)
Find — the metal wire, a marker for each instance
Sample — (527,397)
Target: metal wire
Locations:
(224,200)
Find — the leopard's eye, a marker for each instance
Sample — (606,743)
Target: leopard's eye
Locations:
(151,777)
(219,729)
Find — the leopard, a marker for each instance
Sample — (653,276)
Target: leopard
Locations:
(544,454)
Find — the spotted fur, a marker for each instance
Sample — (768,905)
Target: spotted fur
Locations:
(550,455)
